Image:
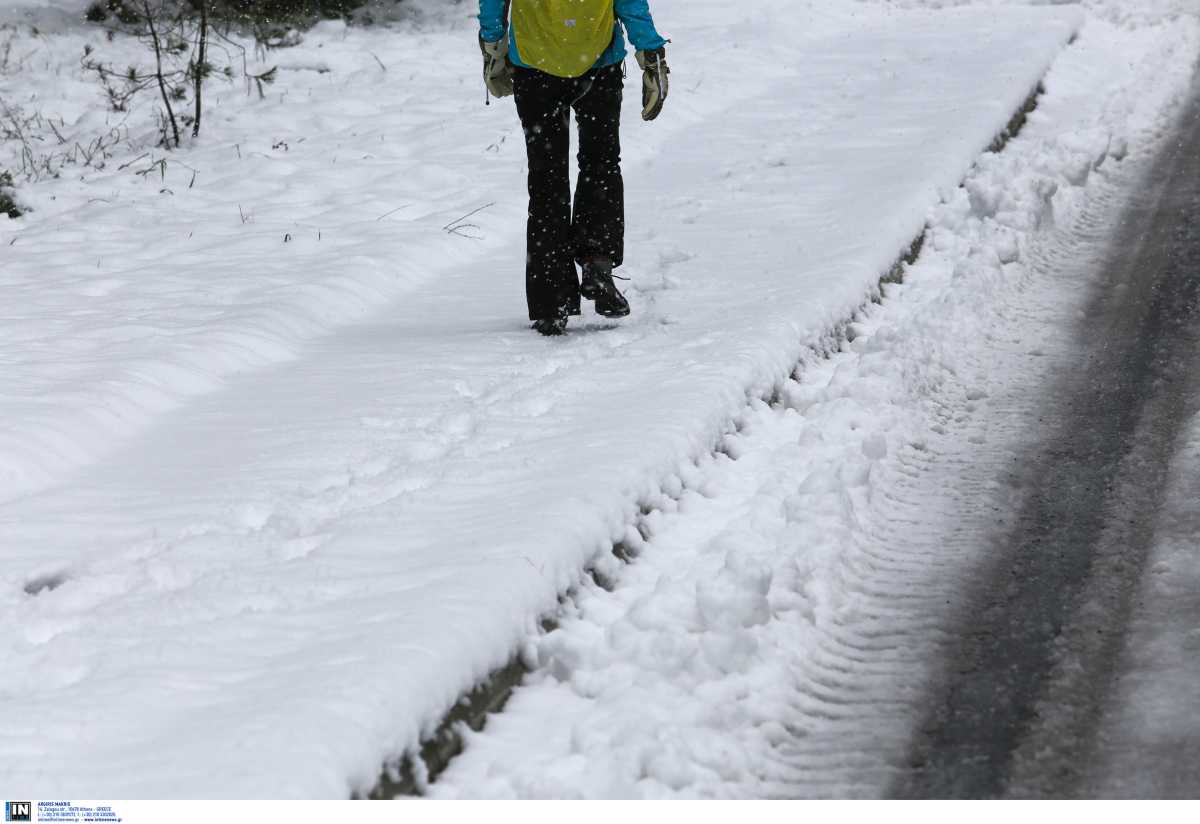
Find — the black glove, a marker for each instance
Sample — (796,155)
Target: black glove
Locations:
(654,81)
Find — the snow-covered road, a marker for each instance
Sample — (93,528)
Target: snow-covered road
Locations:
(269,508)
(1150,743)
(1019,707)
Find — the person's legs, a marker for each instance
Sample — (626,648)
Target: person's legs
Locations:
(598,228)
(544,106)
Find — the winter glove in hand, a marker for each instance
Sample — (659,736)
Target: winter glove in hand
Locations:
(654,81)
(497,71)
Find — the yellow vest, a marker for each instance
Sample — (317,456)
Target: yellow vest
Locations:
(564,38)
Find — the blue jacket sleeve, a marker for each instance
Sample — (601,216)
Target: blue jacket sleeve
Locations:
(635,17)
(492,19)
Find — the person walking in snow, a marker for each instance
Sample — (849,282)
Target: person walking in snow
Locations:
(555,56)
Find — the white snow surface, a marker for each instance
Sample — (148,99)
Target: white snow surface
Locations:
(283,473)
(775,636)
(1153,726)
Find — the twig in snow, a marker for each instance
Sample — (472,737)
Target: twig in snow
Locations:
(266,78)
(459,226)
(125,166)
(160,164)
(62,141)
(392,212)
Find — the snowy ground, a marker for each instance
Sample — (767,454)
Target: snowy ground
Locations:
(1153,749)
(282,473)
(776,635)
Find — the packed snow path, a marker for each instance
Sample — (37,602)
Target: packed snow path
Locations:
(288,580)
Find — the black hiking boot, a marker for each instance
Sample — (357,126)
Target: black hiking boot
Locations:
(598,286)
(551,327)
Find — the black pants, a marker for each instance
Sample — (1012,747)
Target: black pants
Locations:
(556,238)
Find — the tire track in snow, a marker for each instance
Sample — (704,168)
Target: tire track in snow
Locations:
(1019,712)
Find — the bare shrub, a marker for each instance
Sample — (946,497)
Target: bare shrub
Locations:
(42,148)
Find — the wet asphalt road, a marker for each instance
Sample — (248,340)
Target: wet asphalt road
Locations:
(1017,710)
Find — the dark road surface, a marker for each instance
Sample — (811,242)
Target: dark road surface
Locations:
(1017,710)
